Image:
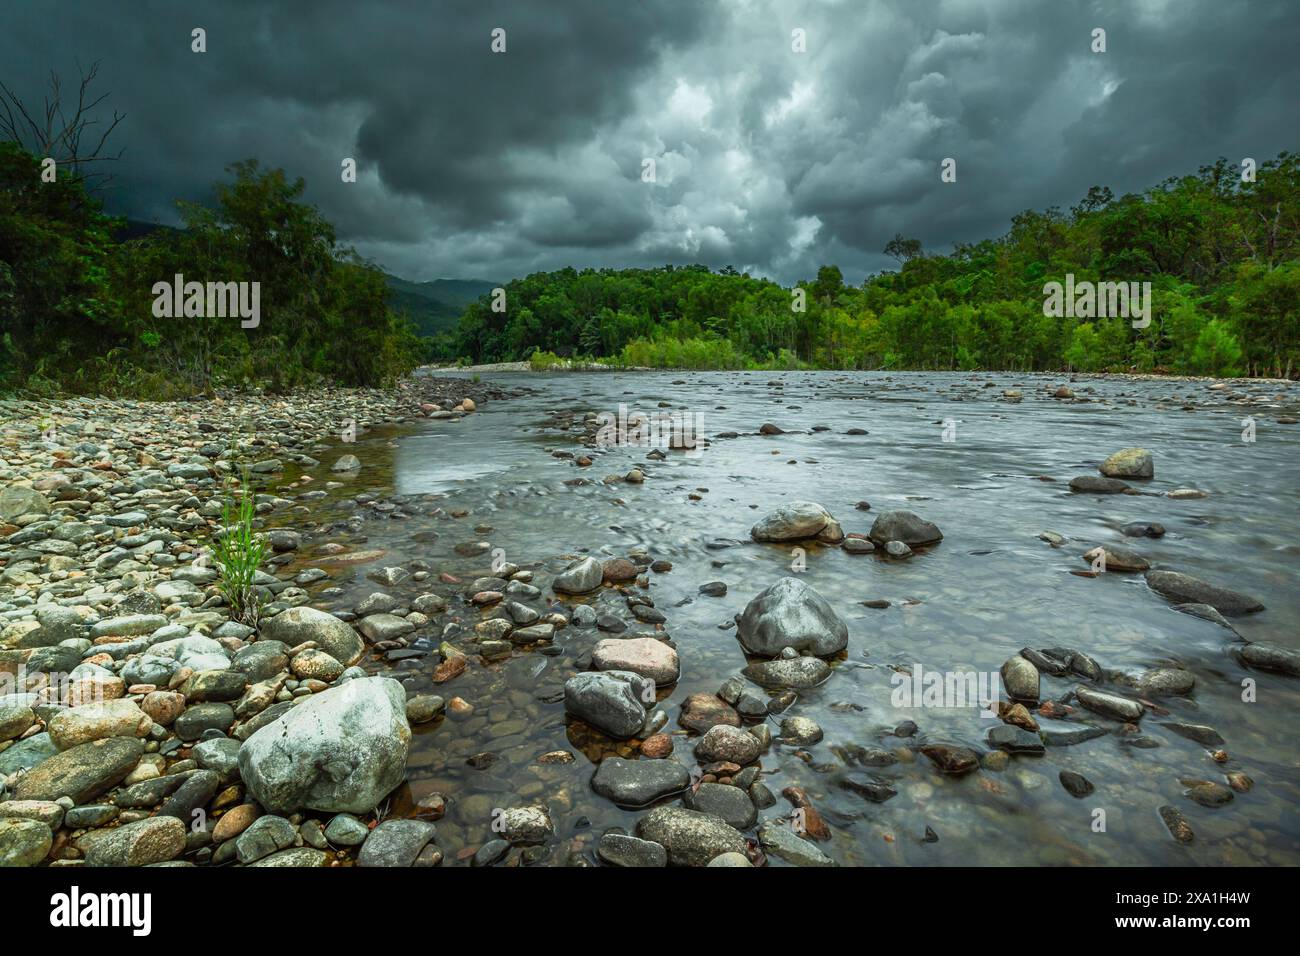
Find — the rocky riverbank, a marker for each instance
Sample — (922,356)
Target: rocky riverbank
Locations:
(127,692)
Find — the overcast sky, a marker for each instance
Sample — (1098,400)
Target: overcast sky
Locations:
(475,164)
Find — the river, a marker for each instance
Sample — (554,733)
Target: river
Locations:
(992,471)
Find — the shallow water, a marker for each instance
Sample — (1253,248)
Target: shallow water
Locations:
(989,589)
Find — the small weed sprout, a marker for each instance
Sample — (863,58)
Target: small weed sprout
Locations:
(238,551)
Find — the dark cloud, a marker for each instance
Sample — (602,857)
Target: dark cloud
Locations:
(478,164)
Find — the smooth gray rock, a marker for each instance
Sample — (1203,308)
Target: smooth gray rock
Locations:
(611,701)
(783,843)
(795,521)
(791,614)
(637,783)
(619,849)
(395,843)
(581,577)
(732,804)
(904,526)
(798,673)
(1185,589)
(1271,657)
(1109,705)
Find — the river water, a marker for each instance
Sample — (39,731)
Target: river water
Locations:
(990,588)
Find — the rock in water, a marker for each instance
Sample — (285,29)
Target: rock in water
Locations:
(797,521)
(640,655)
(1185,589)
(1129,463)
(580,577)
(691,838)
(344,749)
(636,783)
(298,624)
(1271,657)
(1091,484)
(791,614)
(1117,559)
(906,527)
(611,701)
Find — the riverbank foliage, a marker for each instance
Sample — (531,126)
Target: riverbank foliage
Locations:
(76,303)
(1222,257)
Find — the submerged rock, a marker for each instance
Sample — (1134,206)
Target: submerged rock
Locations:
(1185,589)
(1271,657)
(798,673)
(1092,485)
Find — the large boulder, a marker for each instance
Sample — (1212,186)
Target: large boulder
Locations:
(611,701)
(797,521)
(904,526)
(1129,463)
(342,750)
(336,638)
(1185,589)
(791,614)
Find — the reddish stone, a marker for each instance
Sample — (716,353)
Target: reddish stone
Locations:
(657,746)
(452,667)
(702,711)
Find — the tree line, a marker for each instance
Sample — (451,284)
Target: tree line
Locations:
(1219,249)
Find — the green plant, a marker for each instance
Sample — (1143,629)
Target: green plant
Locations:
(238,552)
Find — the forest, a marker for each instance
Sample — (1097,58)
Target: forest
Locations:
(76,297)
(1218,247)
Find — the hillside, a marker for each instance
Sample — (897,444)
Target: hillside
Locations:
(435,306)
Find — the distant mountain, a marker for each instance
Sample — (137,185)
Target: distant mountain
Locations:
(435,306)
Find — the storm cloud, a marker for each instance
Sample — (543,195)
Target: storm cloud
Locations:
(473,163)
